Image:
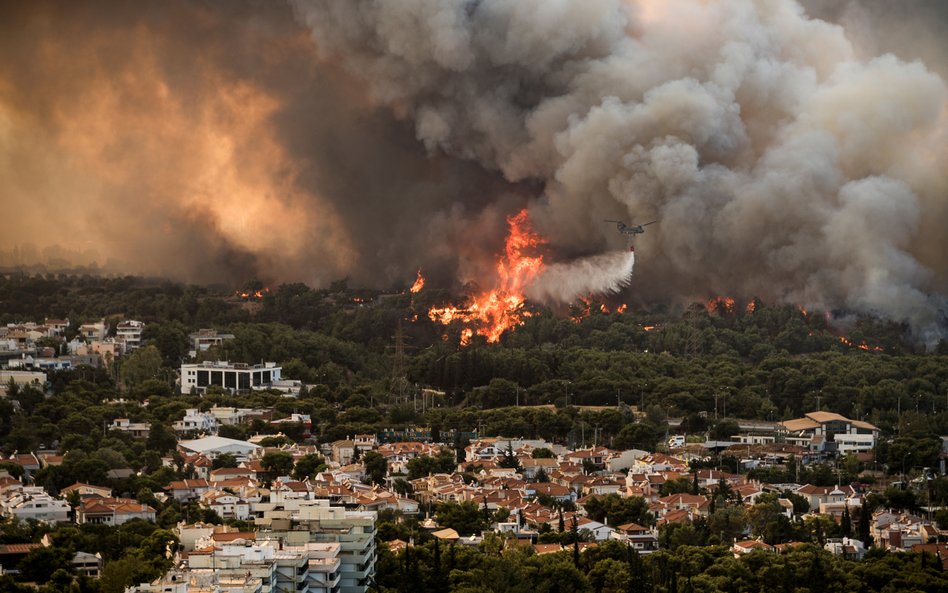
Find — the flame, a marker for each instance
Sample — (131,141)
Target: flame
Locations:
(492,313)
(720,304)
(257,294)
(584,308)
(751,307)
(650,328)
(861,345)
(582,311)
(419,283)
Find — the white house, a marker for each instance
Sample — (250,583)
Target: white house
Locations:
(195,421)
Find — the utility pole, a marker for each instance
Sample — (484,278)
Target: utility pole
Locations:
(716,406)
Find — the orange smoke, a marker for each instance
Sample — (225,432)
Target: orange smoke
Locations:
(419,283)
(491,313)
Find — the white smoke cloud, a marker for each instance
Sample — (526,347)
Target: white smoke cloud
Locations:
(607,273)
(782,163)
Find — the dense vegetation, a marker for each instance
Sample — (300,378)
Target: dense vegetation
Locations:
(614,568)
(765,362)
(762,361)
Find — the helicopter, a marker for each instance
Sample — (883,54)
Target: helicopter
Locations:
(630,229)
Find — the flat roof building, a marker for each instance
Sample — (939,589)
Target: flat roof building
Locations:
(233,377)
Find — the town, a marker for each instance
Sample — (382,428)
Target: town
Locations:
(230,476)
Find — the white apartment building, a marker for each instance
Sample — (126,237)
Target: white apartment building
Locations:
(32,502)
(236,377)
(311,567)
(302,522)
(130,332)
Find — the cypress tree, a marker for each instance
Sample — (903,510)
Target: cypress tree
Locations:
(846,523)
(865,519)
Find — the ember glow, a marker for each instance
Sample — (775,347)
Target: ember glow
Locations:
(419,283)
(585,308)
(720,304)
(861,345)
(254,295)
(491,313)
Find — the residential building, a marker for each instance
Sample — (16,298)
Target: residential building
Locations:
(112,511)
(130,332)
(84,490)
(826,432)
(87,564)
(233,377)
(33,502)
(204,339)
(138,430)
(299,522)
(94,332)
(196,422)
(643,539)
(848,548)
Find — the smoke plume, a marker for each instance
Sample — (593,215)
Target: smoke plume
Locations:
(780,161)
(790,151)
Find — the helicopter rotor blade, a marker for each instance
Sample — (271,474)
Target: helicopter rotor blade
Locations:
(648,223)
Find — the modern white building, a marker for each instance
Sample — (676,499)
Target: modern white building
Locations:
(233,377)
(130,332)
(32,502)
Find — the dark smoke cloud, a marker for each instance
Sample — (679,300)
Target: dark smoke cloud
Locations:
(205,141)
(786,156)
(781,161)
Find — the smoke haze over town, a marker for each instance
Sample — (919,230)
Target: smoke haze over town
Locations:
(795,152)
